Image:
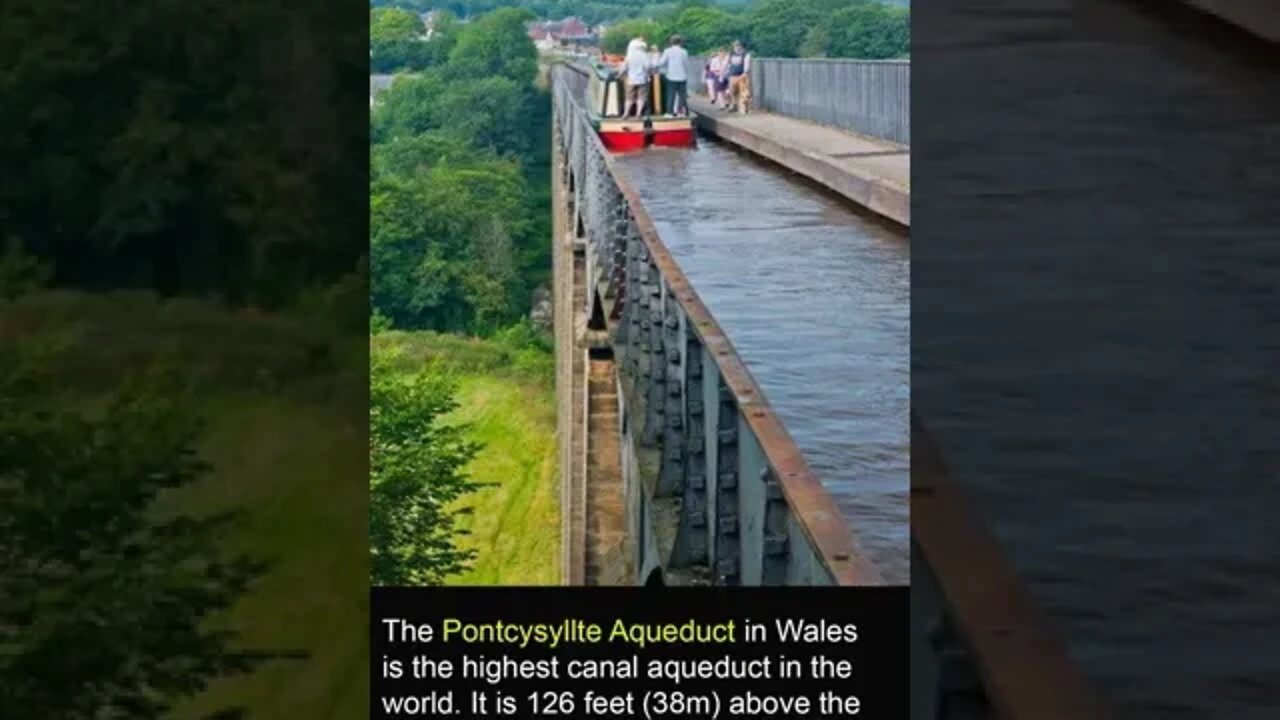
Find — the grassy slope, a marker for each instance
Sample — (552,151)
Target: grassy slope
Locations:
(506,397)
(283,447)
(311,519)
(515,524)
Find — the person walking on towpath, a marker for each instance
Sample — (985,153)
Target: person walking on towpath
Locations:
(636,66)
(711,74)
(675,61)
(722,78)
(740,78)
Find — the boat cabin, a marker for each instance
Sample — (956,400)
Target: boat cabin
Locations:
(607,101)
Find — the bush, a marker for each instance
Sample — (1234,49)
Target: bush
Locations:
(416,473)
(90,562)
(617,37)
(21,273)
(871,32)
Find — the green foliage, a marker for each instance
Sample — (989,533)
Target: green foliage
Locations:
(443,246)
(617,37)
(342,305)
(519,352)
(393,25)
(397,41)
(862,29)
(817,42)
(495,45)
(459,200)
(871,31)
(492,113)
(867,29)
(590,11)
(777,27)
(21,273)
(505,389)
(104,607)
(144,145)
(416,474)
(408,154)
(407,108)
(704,28)
(217,349)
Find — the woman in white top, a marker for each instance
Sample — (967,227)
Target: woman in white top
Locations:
(636,66)
(715,68)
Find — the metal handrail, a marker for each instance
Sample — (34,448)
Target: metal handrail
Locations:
(1021,664)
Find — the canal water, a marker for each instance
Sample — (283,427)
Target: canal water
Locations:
(1107,390)
(816,299)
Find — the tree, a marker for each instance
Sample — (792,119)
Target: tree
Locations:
(105,606)
(392,25)
(816,42)
(21,273)
(492,114)
(396,40)
(417,463)
(777,27)
(196,170)
(617,37)
(444,36)
(408,107)
(459,187)
(871,31)
(705,29)
(412,154)
(495,45)
(426,256)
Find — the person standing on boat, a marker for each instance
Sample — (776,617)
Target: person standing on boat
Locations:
(675,62)
(740,78)
(636,66)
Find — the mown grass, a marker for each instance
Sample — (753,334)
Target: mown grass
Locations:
(507,399)
(514,524)
(284,406)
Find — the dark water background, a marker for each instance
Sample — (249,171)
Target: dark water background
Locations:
(1096,331)
(816,298)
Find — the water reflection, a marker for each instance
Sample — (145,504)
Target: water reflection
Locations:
(816,299)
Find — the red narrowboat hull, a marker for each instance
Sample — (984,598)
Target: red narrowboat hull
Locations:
(623,136)
(623,141)
(674,137)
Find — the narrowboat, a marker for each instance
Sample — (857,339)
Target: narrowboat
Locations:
(607,101)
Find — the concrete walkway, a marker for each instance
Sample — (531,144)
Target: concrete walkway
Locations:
(873,173)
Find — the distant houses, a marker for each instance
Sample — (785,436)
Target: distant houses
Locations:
(570,32)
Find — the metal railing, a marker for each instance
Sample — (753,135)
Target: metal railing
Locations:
(871,97)
(749,507)
(752,511)
(980,644)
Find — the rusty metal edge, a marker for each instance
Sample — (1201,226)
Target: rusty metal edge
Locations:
(1022,662)
(816,513)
